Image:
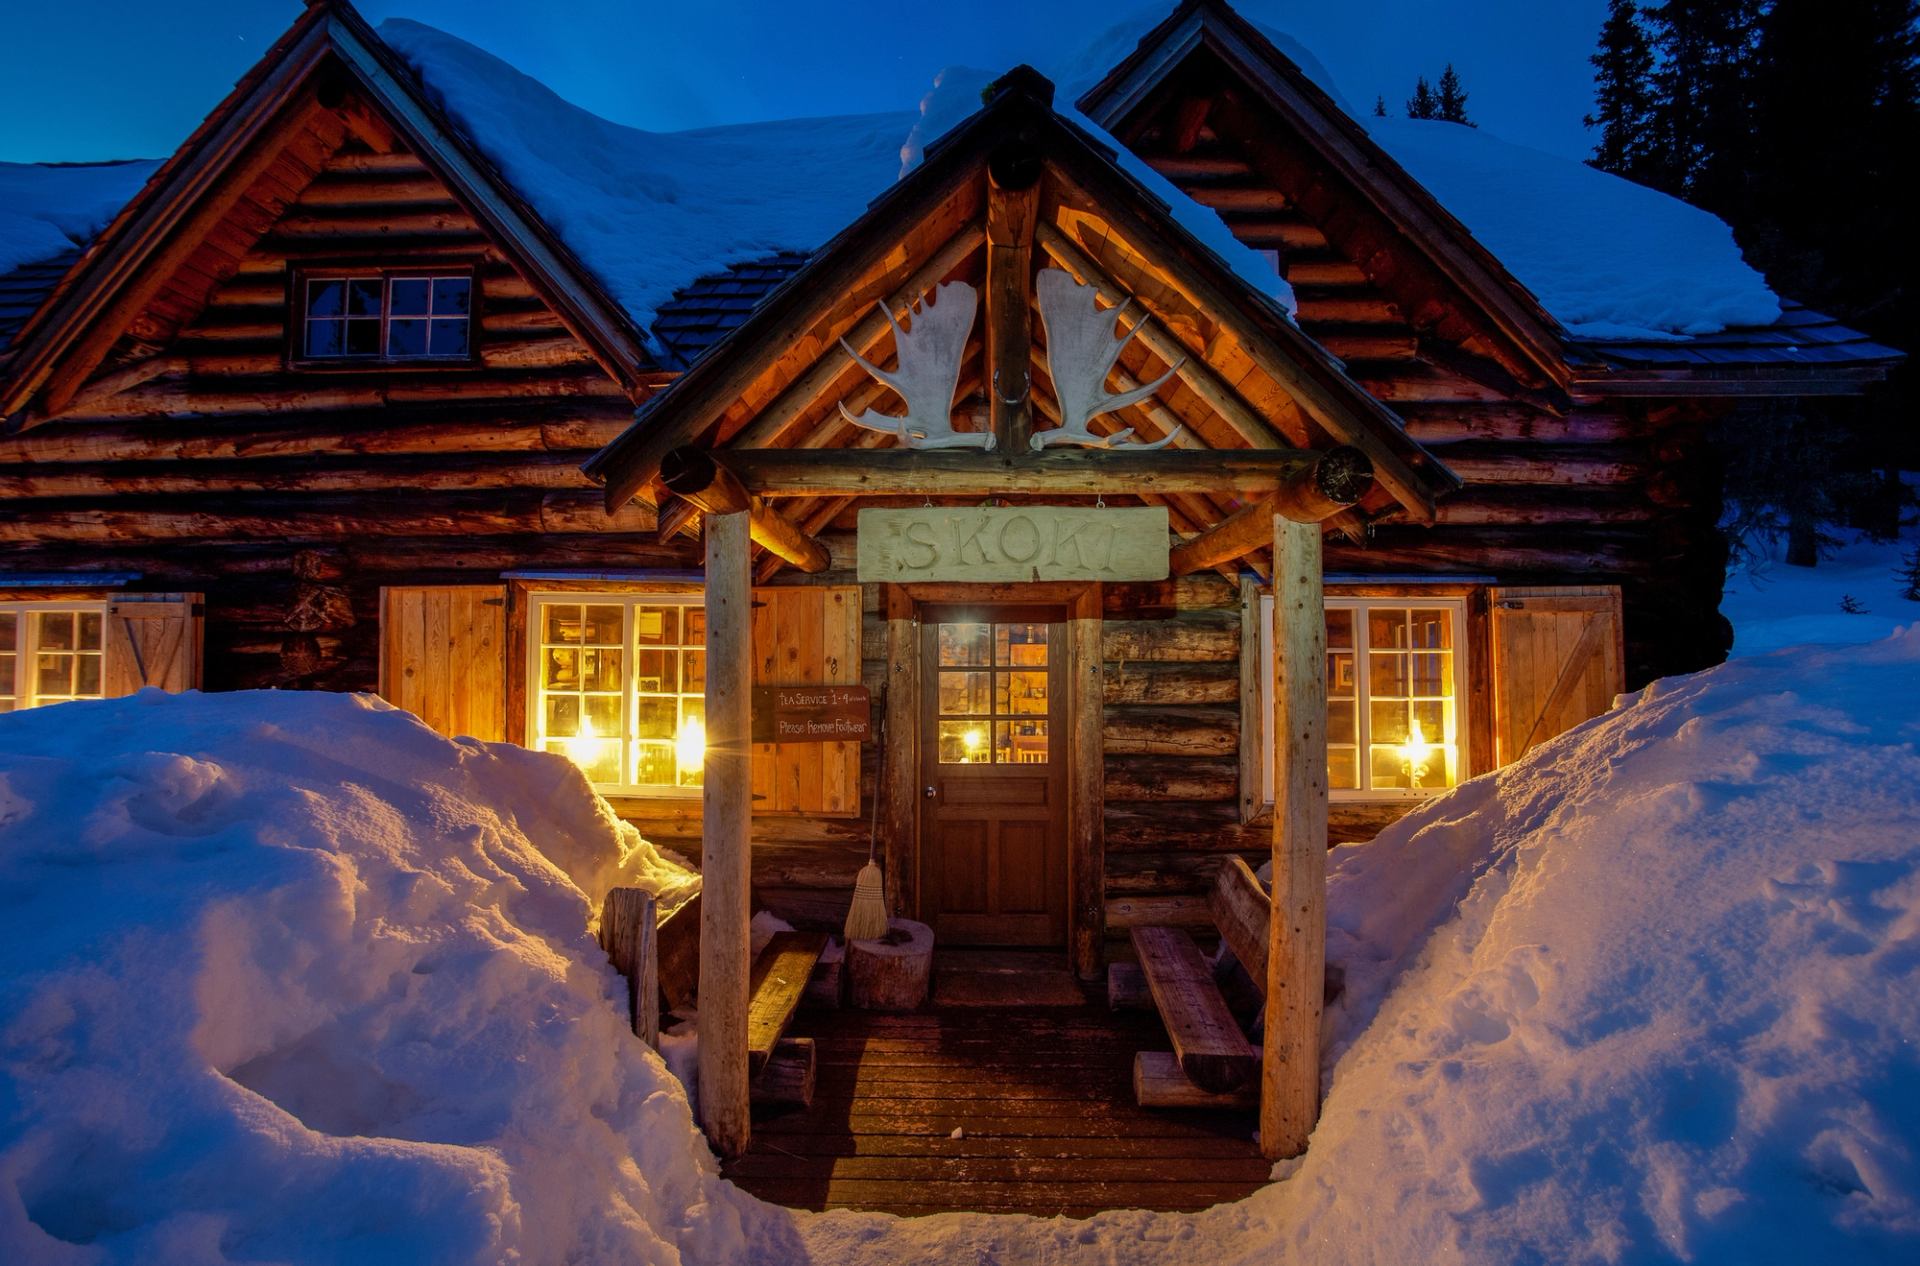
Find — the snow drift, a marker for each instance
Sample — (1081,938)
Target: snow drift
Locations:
(288,978)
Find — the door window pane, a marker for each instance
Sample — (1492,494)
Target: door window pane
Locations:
(965,644)
(993,709)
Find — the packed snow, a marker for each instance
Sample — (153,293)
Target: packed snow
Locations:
(287,977)
(1772,604)
(47,209)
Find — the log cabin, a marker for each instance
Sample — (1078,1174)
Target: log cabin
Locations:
(1178,475)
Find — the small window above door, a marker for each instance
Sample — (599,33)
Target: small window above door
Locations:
(368,315)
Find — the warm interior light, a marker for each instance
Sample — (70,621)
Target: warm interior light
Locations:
(1415,752)
(973,740)
(583,749)
(690,744)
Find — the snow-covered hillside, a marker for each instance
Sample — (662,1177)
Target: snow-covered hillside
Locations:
(288,978)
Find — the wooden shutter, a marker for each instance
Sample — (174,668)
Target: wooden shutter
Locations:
(804,635)
(1557,660)
(443,656)
(152,639)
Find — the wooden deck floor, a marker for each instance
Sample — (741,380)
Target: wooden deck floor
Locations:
(1043,1099)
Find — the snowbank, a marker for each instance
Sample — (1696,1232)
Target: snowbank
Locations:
(285,977)
(1773,605)
(49,208)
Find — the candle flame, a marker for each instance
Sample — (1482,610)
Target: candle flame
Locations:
(690,745)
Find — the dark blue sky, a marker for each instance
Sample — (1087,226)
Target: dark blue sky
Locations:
(89,79)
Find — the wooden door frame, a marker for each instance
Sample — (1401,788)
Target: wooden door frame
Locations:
(901,604)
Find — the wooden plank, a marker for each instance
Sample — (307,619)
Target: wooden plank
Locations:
(1297,944)
(678,942)
(779,980)
(1011,213)
(726,821)
(788,1078)
(1086,796)
(628,928)
(1244,915)
(902,762)
(1211,1048)
(1158,1082)
(1252,790)
(1127,988)
(1056,472)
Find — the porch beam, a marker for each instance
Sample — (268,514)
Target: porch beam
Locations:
(726,825)
(948,472)
(1297,934)
(692,475)
(1312,494)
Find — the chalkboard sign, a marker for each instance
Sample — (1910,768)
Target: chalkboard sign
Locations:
(811,714)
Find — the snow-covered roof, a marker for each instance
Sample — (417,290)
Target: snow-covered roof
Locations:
(48,212)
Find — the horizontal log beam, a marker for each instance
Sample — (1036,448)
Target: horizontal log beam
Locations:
(1313,494)
(692,475)
(839,472)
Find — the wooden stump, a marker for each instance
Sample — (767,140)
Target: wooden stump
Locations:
(891,973)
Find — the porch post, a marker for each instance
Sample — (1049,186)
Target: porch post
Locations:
(726,823)
(1297,945)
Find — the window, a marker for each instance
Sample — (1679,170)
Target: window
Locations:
(993,694)
(618,686)
(386,316)
(51,654)
(1396,720)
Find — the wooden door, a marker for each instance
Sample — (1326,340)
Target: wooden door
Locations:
(1557,660)
(993,744)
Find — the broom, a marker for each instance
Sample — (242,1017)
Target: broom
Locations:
(867,917)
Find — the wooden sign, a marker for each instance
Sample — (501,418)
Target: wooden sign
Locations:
(811,714)
(1013,543)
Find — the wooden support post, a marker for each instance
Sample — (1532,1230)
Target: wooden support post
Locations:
(726,823)
(693,475)
(1086,796)
(902,758)
(1013,204)
(627,934)
(1297,943)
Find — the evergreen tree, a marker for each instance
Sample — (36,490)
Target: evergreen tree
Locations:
(1623,95)
(1703,106)
(1908,574)
(1423,104)
(1452,99)
(1379,107)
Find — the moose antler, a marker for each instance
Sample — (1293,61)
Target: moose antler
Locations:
(929,372)
(1081,352)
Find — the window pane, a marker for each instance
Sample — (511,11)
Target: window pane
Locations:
(1024,645)
(1387,674)
(603,715)
(1432,674)
(1339,628)
(1341,724)
(655,765)
(363,296)
(965,694)
(407,338)
(88,636)
(56,631)
(563,668)
(54,676)
(1340,675)
(409,296)
(655,718)
(1022,694)
(363,338)
(1388,722)
(1431,629)
(964,644)
(656,672)
(696,622)
(7,662)
(598,758)
(695,668)
(86,674)
(600,670)
(562,623)
(452,295)
(1386,629)
(323,338)
(8,624)
(1389,770)
(449,338)
(1343,769)
(326,298)
(964,743)
(1020,742)
(657,626)
(563,715)
(601,625)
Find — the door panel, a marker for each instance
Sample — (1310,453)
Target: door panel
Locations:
(993,833)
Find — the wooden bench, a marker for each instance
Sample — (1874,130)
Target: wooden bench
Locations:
(774,991)
(1212,1063)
